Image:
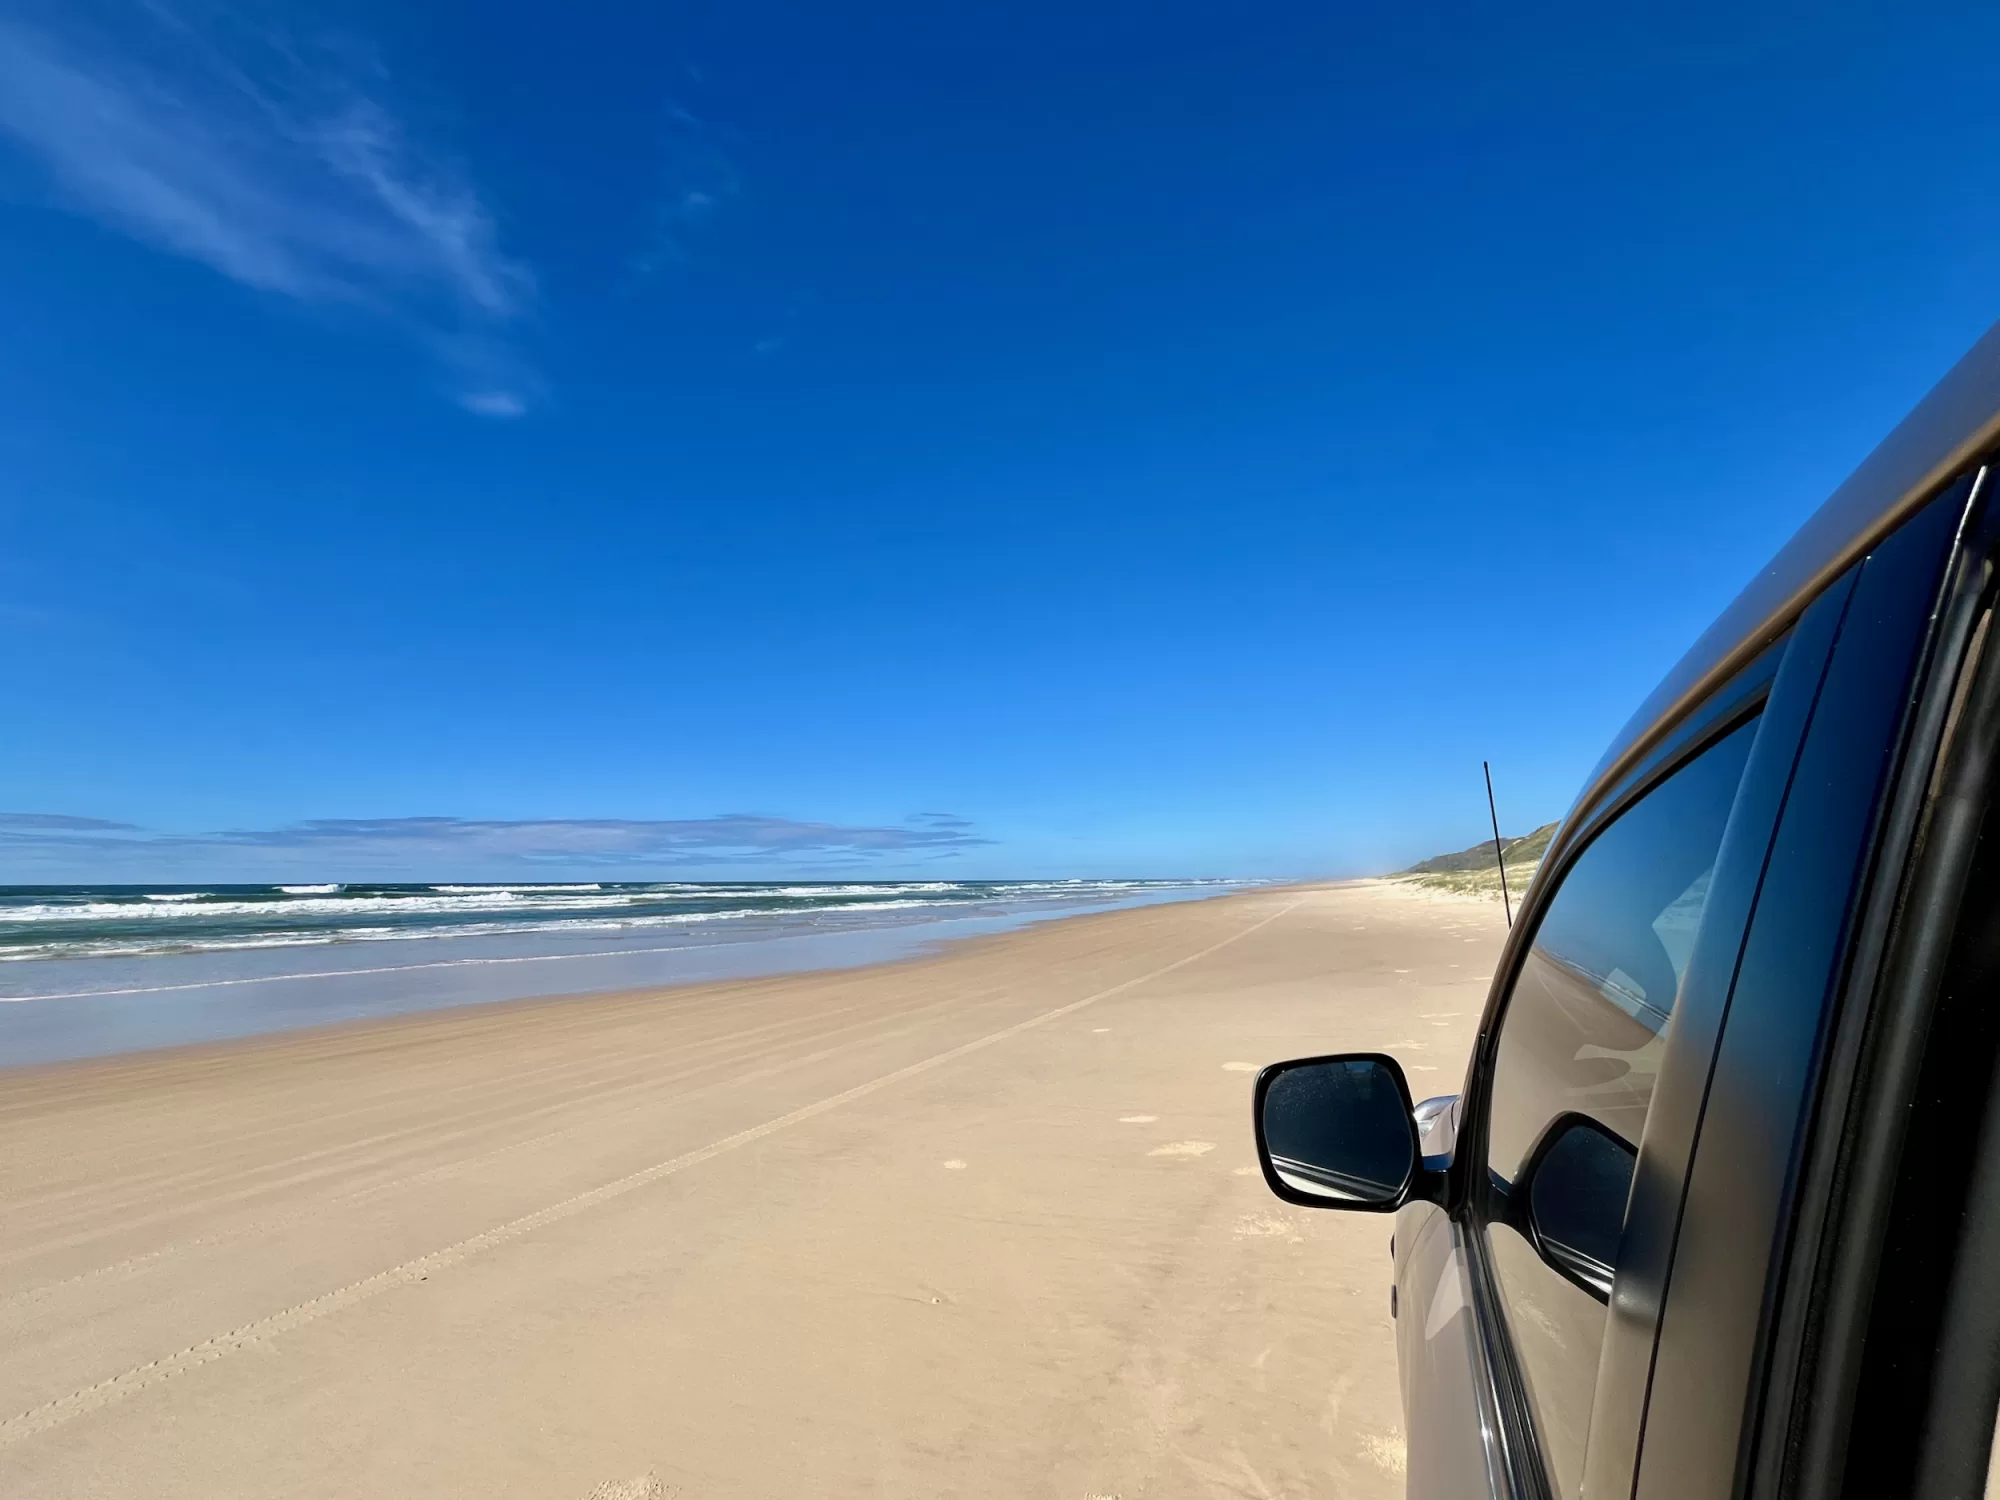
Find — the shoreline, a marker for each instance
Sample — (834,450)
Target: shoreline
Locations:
(96,1023)
(979,1220)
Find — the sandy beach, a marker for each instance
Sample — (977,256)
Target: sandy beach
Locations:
(977,1223)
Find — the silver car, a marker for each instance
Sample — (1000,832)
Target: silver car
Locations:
(1717,1211)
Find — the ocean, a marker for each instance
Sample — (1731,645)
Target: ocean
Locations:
(92,969)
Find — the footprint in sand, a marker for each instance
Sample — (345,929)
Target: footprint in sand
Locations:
(1261,1224)
(954,1165)
(1389,1453)
(1183,1148)
(1239,1067)
(646,1487)
(1137,1119)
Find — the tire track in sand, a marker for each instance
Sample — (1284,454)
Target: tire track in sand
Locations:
(130,1382)
(716,1051)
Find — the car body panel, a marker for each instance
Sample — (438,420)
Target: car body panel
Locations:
(1846,647)
(1672,1123)
(1444,1383)
(1707,1384)
(1447,1411)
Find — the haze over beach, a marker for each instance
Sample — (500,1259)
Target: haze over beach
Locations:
(689,691)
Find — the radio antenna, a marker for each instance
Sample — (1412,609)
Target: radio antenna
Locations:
(1506,902)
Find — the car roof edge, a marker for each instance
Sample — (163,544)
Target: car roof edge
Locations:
(1954,424)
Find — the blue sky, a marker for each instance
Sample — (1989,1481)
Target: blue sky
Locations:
(999,440)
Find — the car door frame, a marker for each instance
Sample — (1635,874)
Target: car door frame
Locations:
(1811,942)
(1840,1311)
(1515,1461)
(1788,685)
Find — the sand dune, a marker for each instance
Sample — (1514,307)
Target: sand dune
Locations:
(981,1223)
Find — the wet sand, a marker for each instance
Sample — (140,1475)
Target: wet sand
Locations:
(980,1223)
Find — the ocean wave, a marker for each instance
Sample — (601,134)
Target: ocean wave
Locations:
(126,923)
(440,901)
(166,946)
(294,908)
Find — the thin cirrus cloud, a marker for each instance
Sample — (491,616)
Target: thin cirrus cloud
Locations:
(698,179)
(99,849)
(277,169)
(57,825)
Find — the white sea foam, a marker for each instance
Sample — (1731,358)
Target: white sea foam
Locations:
(621,951)
(140,947)
(804,918)
(139,925)
(510,887)
(297,907)
(442,901)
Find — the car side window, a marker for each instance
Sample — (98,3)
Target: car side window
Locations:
(1579,1045)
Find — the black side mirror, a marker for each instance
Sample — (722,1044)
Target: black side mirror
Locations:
(1573,1208)
(1337,1132)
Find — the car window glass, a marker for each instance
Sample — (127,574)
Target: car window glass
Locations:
(1579,1046)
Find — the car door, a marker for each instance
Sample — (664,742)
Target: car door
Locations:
(1587,1094)
(1578,1054)
(1717,1397)
(1503,1311)
(1893,1370)
(1822,1303)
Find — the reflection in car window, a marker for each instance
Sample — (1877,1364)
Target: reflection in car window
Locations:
(1576,1195)
(1582,1036)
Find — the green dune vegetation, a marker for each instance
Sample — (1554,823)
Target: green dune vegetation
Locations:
(1474,871)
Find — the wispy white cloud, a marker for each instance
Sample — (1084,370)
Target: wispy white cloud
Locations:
(493,403)
(57,826)
(34,844)
(698,177)
(281,172)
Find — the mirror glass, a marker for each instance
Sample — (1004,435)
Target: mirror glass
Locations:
(1576,1200)
(1340,1130)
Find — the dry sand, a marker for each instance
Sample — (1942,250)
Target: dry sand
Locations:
(981,1224)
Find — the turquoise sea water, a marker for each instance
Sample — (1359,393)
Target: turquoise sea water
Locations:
(105,921)
(86,970)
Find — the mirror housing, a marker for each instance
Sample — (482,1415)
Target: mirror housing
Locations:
(1338,1132)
